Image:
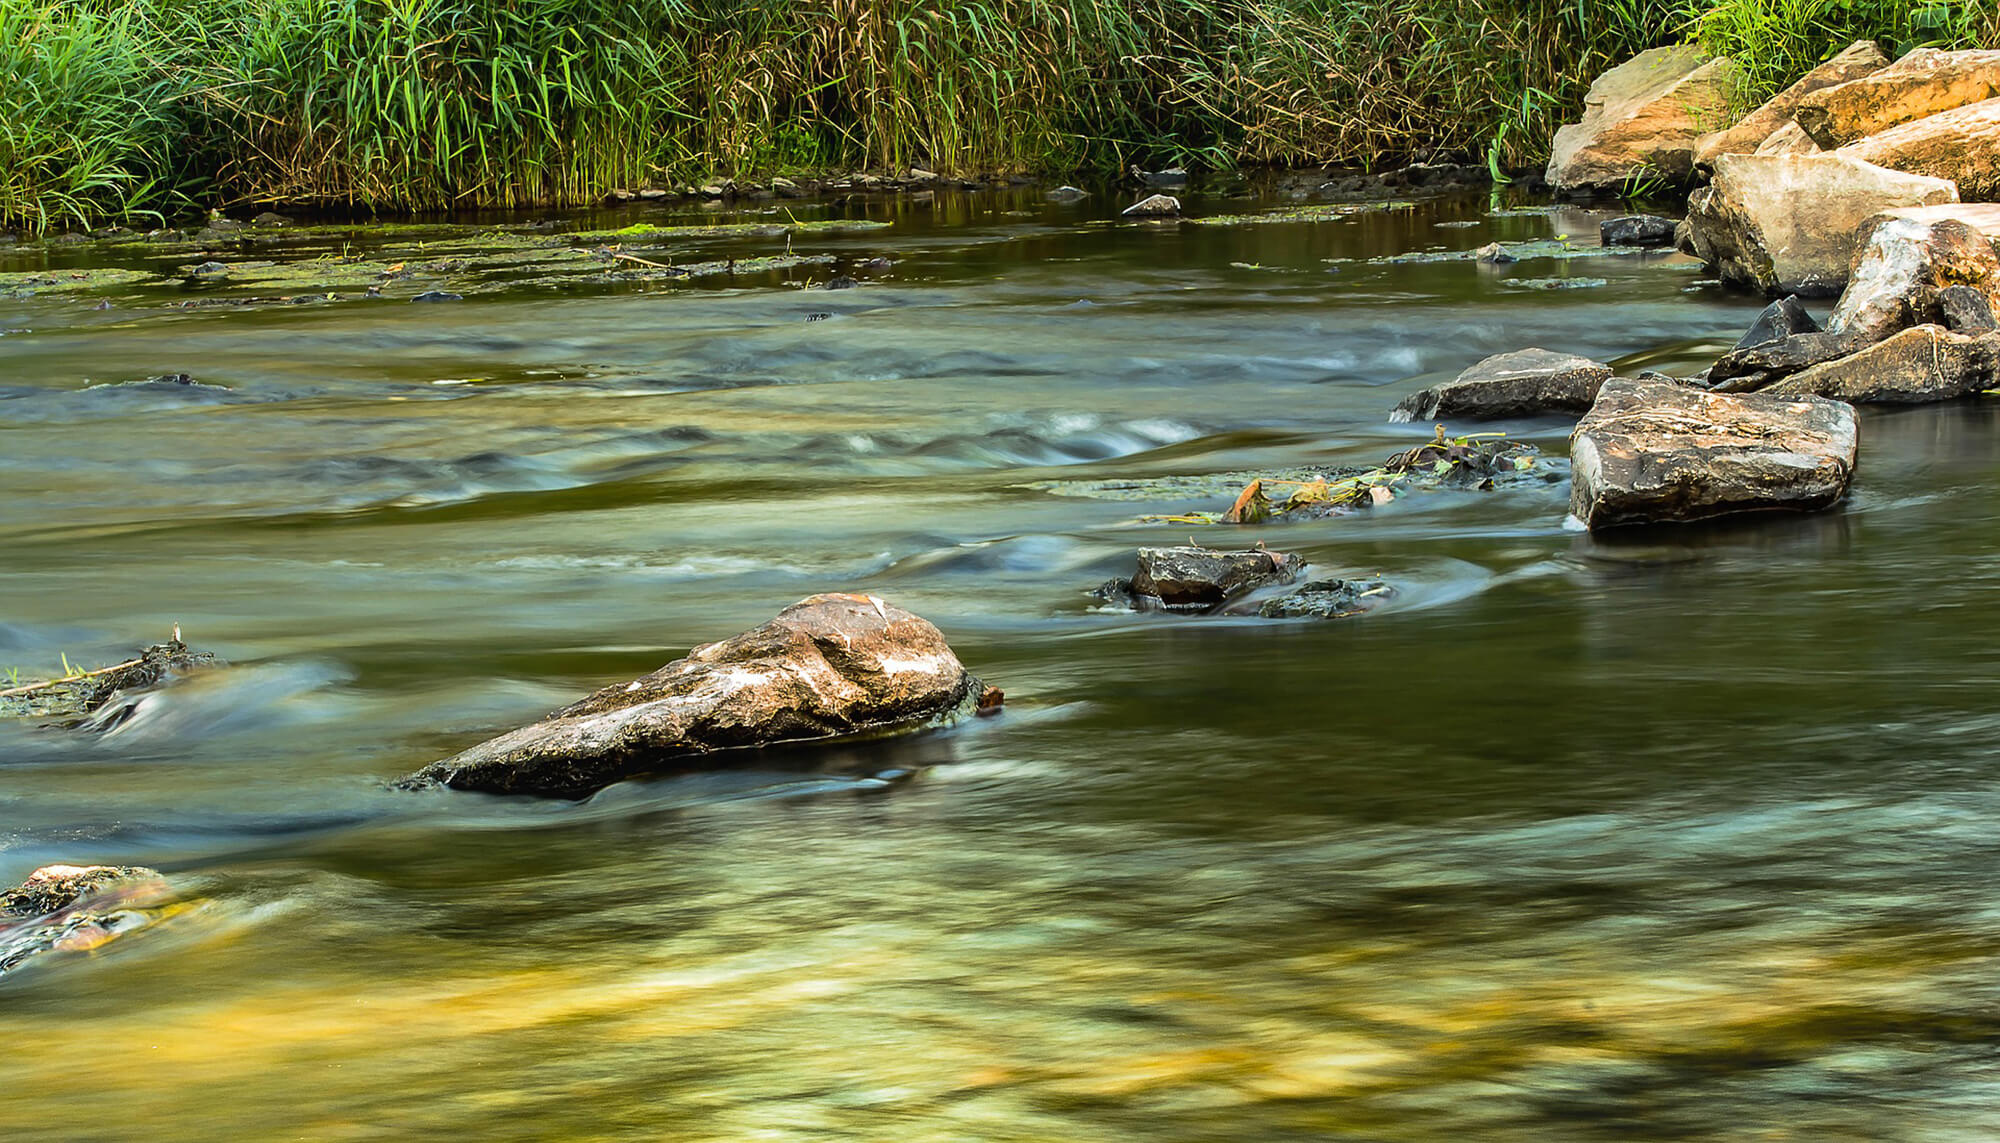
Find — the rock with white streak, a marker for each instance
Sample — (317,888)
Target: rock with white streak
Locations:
(1921,364)
(826,668)
(1910,259)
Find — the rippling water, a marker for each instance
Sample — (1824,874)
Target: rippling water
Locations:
(1685,836)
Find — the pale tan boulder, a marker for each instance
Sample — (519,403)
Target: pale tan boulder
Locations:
(1791,139)
(1962,145)
(1909,260)
(1641,119)
(1793,223)
(1749,134)
(1924,82)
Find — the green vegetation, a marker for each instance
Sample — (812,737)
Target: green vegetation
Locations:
(117,108)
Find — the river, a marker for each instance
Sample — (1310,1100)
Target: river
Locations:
(1685,836)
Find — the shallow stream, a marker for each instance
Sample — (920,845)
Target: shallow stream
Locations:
(1681,836)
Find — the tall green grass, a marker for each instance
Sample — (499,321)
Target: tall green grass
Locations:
(112,107)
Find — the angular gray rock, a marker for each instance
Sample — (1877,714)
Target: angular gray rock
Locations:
(1749,134)
(1920,364)
(1780,319)
(1641,119)
(1966,310)
(1637,230)
(1793,223)
(1329,599)
(1751,367)
(1650,452)
(828,667)
(1524,383)
(1909,259)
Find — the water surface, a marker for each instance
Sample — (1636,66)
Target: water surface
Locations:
(1687,836)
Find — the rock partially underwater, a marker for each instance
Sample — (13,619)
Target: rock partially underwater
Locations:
(73,908)
(74,698)
(826,668)
(1206,581)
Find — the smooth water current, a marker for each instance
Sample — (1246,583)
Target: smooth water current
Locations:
(1687,836)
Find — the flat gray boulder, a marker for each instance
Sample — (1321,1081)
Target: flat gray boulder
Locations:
(1653,452)
(1920,364)
(1524,383)
(828,667)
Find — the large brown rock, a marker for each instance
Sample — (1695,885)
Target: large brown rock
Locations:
(1641,119)
(1922,363)
(1923,82)
(827,667)
(1525,383)
(1962,145)
(1751,132)
(1748,368)
(1909,259)
(1655,452)
(1791,139)
(1792,223)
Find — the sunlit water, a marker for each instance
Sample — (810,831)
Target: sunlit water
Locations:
(1690,836)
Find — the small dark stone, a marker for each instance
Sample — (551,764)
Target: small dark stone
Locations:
(1067,194)
(1202,579)
(1782,318)
(817,317)
(270,218)
(209,270)
(843,282)
(1966,310)
(437,296)
(1638,230)
(1155,206)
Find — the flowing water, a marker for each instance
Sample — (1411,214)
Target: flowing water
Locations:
(1685,836)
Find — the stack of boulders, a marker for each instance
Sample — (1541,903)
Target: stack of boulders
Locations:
(1867,179)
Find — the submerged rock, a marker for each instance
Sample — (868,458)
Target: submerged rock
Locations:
(1922,363)
(1641,119)
(76,696)
(1155,206)
(1754,131)
(1793,223)
(1067,193)
(1910,259)
(72,908)
(1329,599)
(1922,83)
(1650,452)
(1637,230)
(1525,383)
(1200,579)
(828,667)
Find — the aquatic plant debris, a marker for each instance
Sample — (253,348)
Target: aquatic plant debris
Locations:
(1477,460)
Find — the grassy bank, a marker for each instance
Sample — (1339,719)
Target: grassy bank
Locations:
(118,107)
